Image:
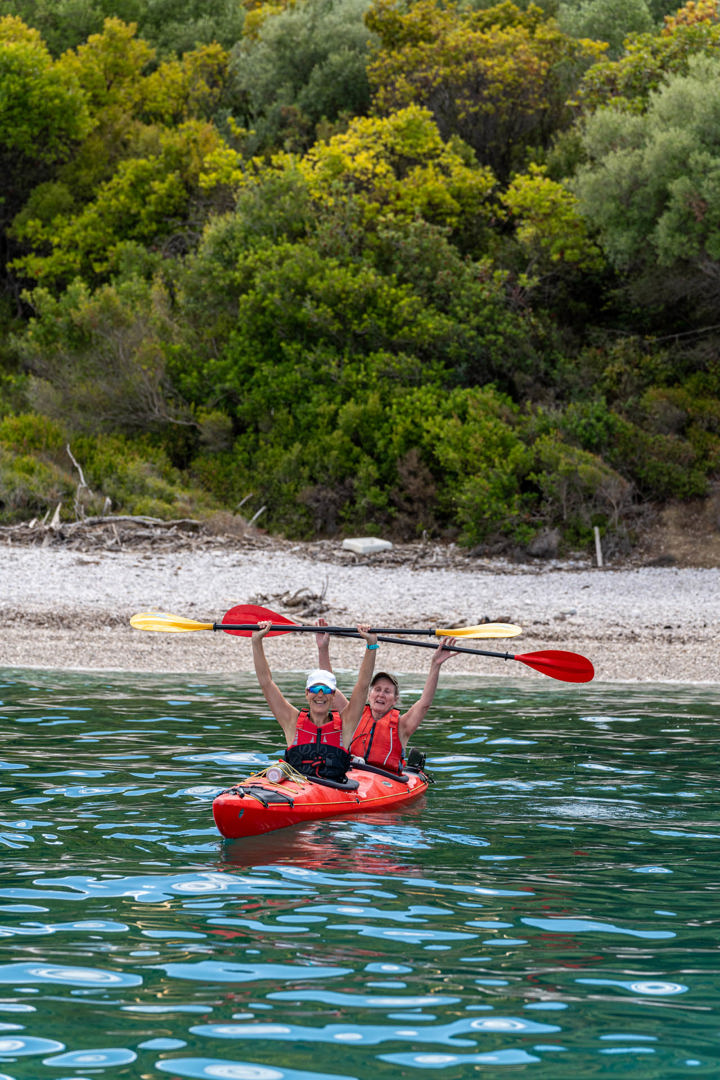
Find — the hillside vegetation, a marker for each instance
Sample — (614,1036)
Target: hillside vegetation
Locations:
(389,267)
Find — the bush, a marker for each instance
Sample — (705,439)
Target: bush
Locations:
(577,488)
(138,478)
(30,487)
(30,433)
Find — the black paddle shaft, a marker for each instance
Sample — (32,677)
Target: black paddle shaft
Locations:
(293,628)
(430,645)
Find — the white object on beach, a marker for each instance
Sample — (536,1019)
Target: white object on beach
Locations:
(366,545)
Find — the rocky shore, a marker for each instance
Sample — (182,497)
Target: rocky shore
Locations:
(66,602)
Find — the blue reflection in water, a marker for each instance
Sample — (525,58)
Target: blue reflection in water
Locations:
(550,904)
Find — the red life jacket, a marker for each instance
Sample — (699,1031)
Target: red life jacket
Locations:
(378,741)
(330,734)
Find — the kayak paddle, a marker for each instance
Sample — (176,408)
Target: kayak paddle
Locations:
(249,615)
(243,620)
(557,663)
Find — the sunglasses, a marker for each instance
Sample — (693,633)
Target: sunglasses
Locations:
(319,688)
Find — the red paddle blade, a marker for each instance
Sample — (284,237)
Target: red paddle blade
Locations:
(251,614)
(558,664)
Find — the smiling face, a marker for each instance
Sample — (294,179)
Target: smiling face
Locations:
(382,697)
(319,699)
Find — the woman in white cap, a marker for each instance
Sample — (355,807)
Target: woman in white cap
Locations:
(319,725)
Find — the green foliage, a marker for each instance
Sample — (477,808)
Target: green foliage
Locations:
(399,168)
(97,358)
(611,21)
(180,29)
(367,328)
(65,24)
(30,487)
(548,225)
(42,109)
(136,475)
(135,177)
(484,460)
(499,78)
(29,433)
(43,117)
(651,183)
(650,58)
(34,468)
(379,171)
(151,201)
(305,64)
(578,488)
(657,457)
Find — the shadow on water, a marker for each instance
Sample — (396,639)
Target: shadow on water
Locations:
(549,906)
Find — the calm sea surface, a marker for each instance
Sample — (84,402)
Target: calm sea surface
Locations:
(550,908)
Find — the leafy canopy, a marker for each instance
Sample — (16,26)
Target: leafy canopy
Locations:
(499,78)
(651,184)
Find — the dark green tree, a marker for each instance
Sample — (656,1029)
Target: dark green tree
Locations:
(303,66)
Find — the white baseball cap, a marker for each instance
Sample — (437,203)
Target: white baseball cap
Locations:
(318,675)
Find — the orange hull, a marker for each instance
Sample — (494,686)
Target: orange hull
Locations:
(256,805)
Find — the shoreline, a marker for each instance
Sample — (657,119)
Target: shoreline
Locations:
(66,609)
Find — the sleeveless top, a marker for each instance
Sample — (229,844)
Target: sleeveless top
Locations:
(378,741)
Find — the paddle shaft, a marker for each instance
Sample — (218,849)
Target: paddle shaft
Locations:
(567,667)
(293,627)
(440,645)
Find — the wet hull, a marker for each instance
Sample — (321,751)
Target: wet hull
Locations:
(255,806)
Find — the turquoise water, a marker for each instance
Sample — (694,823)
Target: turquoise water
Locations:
(550,908)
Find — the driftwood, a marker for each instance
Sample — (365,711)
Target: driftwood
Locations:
(110,532)
(303,604)
(139,533)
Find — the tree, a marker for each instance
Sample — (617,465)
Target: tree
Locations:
(499,78)
(548,224)
(606,20)
(649,58)
(651,186)
(303,66)
(66,24)
(133,182)
(97,359)
(399,168)
(153,202)
(43,117)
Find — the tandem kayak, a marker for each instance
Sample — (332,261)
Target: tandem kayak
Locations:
(260,805)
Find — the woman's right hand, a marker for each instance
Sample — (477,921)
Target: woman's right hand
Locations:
(364,632)
(262,630)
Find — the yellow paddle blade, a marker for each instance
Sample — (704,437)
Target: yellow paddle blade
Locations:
(484,630)
(170,624)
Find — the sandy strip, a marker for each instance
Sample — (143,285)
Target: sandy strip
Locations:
(66,609)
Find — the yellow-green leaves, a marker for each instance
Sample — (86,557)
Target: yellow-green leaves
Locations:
(398,167)
(43,111)
(548,223)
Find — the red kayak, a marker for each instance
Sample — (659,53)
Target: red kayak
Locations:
(259,805)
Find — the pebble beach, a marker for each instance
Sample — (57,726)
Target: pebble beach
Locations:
(67,607)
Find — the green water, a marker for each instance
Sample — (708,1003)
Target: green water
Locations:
(550,908)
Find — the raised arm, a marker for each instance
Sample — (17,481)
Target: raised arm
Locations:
(323,644)
(413,718)
(353,710)
(285,713)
